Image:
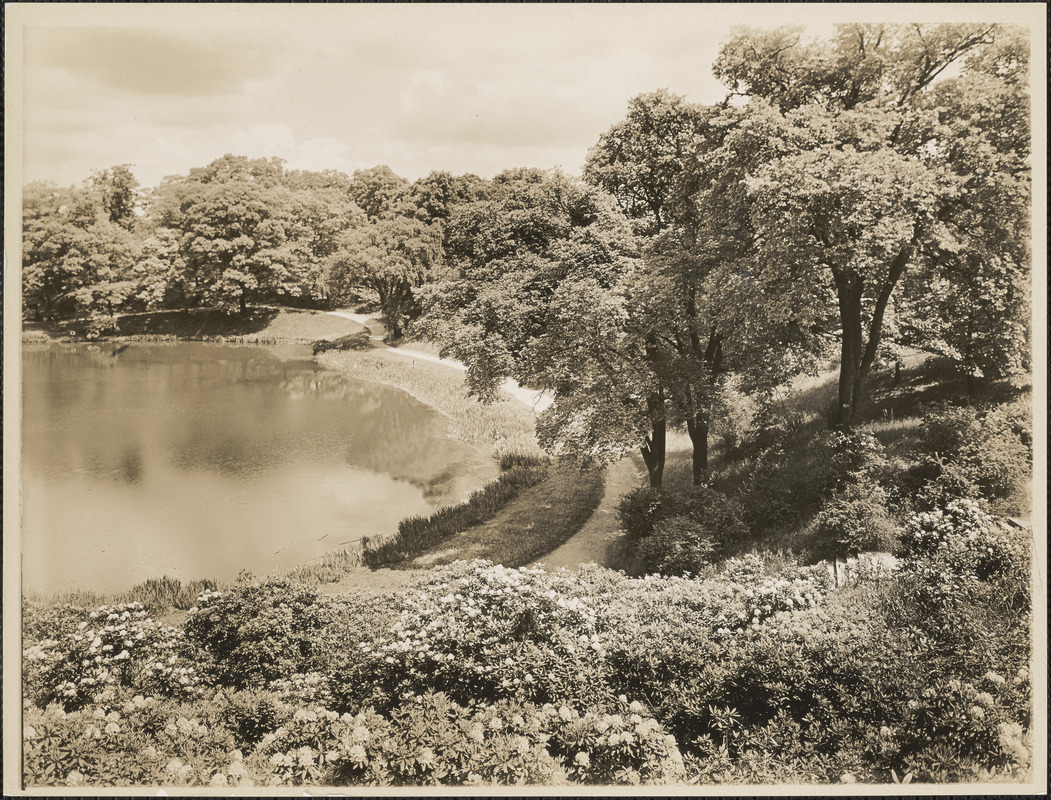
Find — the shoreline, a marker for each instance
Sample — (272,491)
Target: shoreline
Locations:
(485,428)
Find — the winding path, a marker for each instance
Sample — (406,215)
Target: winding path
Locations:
(599,539)
(537,401)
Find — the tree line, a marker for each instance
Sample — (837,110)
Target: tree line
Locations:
(847,197)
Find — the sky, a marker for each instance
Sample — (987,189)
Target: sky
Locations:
(465,88)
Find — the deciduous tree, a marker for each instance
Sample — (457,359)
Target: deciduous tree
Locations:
(866,178)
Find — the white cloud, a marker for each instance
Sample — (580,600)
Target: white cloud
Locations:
(276,139)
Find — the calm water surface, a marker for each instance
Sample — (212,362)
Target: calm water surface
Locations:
(200,460)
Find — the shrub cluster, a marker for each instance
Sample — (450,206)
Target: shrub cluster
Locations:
(110,649)
(976,451)
(952,552)
(677,534)
(489,675)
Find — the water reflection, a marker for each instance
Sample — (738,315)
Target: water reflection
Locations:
(208,455)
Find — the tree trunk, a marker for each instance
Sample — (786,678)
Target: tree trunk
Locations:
(243,302)
(851,349)
(653,450)
(858,356)
(698,428)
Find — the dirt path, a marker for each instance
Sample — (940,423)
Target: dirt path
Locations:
(596,542)
(600,538)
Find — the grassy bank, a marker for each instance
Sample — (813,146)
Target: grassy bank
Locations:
(418,534)
(540,519)
(506,426)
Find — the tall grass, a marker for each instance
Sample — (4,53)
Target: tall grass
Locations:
(157,595)
(416,534)
(328,568)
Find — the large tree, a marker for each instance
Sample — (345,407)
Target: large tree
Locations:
(377,190)
(247,231)
(872,170)
(119,193)
(75,260)
(540,292)
(643,161)
(392,257)
(640,160)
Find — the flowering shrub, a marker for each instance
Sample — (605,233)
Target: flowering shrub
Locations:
(971,728)
(431,740)
(950,550)
(856,519)
(259,632)
(625,747)
(117,647)
(482,631)
(762,672)
(140,741)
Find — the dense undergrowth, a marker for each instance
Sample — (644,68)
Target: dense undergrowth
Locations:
(784,482)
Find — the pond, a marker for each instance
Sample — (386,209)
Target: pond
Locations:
(201,460)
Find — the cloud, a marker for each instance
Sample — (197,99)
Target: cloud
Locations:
(467,88)
(274,139)
(153,61)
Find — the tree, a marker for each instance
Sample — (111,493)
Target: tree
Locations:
(119,192)
(233,241)
(247,231)
(640,160)
(392,256)
(508,253)
(539,294)
(319,218)
(74,259)
(437,194)
(865,178)
(643,161)
(376,190)
(608,398)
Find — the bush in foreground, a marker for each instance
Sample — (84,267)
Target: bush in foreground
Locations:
(483,674)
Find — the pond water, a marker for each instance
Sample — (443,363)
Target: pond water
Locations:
(199,460)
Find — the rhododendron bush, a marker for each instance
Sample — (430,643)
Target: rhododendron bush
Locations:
(480,674)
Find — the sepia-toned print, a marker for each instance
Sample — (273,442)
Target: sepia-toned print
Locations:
(540,399)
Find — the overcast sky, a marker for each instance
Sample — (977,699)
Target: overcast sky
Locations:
(467,88)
